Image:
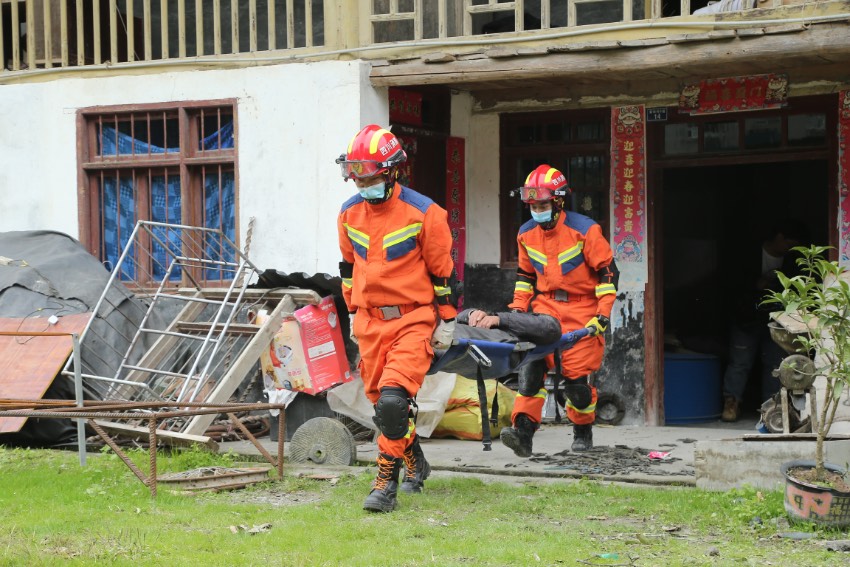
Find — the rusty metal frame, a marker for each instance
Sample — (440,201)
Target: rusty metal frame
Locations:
(152,413)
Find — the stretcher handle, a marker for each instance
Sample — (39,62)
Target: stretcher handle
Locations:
(478,356)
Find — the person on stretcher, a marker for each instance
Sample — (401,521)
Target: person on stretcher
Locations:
(507,327)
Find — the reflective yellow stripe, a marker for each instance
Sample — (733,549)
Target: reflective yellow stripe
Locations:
(411,427)
(589,409)
(346,282)
(376,139)
(570,253)
(440,290)
(542,393)
(538,257)
(605,289)
(402,234)
(523,286)
(359,237)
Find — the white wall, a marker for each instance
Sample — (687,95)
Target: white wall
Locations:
(293,121)
(483,231)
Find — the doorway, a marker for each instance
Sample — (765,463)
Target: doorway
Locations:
(713,221)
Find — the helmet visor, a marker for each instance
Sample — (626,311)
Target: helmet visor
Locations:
(360,169)
(532,194)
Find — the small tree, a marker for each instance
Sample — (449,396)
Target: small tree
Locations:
(820,299)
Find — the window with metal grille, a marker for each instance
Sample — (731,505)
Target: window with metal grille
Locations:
(167,163)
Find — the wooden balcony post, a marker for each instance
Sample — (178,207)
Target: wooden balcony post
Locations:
(347,24)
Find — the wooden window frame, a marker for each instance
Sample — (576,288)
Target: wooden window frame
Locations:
(189,162)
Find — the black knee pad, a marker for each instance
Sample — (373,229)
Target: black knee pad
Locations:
(579,392)
(392,412)
(530,378)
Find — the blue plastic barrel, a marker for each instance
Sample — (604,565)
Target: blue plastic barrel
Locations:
(693,390)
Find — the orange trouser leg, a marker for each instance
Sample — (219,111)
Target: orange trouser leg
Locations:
(395,353)
(532,406)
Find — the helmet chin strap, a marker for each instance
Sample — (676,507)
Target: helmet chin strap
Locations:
(556,209)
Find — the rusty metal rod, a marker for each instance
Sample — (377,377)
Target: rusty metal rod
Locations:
(114,446)
(152,453)
(235,421)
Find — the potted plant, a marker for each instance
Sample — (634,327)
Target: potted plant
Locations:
(818,300)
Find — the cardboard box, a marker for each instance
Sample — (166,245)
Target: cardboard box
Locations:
(307,354)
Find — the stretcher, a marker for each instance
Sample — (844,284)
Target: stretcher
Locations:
(485,359)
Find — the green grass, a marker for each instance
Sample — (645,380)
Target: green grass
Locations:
(54,512)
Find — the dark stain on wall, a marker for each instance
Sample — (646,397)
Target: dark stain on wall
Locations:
(488,287)
(622,372)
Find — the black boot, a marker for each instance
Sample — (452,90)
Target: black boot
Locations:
(518,437)
(383,495)
(416,468)
(582,437)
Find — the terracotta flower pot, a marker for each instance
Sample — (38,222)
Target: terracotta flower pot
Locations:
(811,503)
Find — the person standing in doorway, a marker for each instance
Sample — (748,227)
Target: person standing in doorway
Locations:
(749,336)
(565,269)
(397,281)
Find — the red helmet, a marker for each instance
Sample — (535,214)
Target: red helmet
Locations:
(544,184)
(373,150)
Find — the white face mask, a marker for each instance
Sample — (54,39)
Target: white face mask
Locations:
(543,217)
(375,191)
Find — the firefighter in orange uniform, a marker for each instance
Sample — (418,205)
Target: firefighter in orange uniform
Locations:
(566,261)
(397,275)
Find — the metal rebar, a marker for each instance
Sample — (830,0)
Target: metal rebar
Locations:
(114,446)
(152,453)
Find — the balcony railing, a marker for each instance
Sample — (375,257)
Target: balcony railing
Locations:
(64,33)
(44,34)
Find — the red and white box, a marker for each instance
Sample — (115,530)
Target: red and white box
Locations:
(307,354)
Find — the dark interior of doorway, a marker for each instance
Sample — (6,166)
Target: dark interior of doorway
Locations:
(714,220)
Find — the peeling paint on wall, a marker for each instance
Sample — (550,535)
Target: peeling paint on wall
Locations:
(622,371)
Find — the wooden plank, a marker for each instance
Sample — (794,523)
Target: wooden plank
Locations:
(290,24)
(417,19)
(300,296)
(95,8)
(171,438)
(63,32)
(81,46)
(48,35)
(131,29)
(308,23)
(113,31)
(272,33)
(217,25)
(163,12)
(30,6)
(234,27)
(243,364)
(16,37)
(252,25)
(181,29)
(147,27)
(28,365)
(821,44)
(199,27)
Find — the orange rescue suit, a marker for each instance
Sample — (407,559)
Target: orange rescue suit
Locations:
(396,248)
(561,266)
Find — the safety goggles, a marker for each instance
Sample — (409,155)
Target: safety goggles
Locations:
(531,194)
(360,169)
